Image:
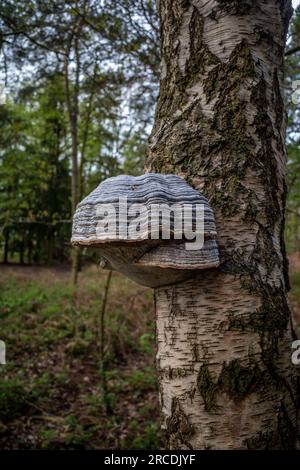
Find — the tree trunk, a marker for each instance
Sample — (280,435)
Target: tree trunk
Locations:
(72,103)
(30,245)
(21,253)
(50,244)
(86,129)
(73,118)
(224,338)
(6,246)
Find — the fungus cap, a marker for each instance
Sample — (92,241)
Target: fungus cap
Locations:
(122,219)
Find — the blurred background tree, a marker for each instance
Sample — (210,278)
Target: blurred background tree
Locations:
(81,80)
(293,133)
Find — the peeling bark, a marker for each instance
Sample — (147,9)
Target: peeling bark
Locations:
(224,338)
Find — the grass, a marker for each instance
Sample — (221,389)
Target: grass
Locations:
(12,399)
(50,388)
(295,280)
(295,291)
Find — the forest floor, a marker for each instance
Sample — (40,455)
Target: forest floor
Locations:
(50,388)
(294,260)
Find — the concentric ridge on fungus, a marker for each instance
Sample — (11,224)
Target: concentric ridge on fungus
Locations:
(149,262)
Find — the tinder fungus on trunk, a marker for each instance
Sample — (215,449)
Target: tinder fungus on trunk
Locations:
(154,228)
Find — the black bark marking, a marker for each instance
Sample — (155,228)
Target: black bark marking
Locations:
(179,429)
(207,388)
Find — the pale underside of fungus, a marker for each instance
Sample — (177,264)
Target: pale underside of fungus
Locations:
(154,228)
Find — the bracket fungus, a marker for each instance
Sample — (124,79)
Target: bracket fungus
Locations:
(154,228)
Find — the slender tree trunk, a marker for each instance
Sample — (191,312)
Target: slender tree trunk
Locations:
(102,340)
(6,247)
(50,243)
(30,246)
(21,254)
(72,97)
(224,338)
(85,136)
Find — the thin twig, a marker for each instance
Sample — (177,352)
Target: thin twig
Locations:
(102,344)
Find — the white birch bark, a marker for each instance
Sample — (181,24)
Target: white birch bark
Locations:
(224,338)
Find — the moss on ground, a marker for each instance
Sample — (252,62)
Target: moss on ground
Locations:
(50,389)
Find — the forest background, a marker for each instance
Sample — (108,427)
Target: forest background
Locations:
(78,86)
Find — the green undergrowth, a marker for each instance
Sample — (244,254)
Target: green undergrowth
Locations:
(50,389)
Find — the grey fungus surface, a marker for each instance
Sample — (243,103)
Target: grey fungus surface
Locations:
(150,262)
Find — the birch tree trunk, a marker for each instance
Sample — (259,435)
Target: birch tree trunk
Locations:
(224,338)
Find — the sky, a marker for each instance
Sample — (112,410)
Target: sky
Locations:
(294,2)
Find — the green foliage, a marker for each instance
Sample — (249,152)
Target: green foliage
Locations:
(146,342)
(134,152)
(141,380)
(295,280)
(148,438)
(34,171)
(84,71)
(293,134)
(49,439)
(12,399)
(51,381)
